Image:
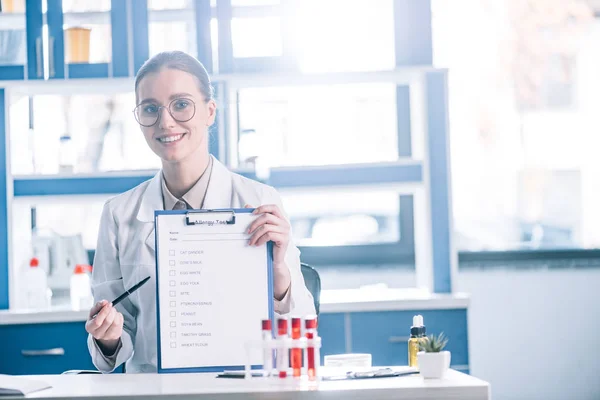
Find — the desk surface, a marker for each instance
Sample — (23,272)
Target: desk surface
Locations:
(455,385)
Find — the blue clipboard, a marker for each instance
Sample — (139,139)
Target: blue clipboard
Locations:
(194,217)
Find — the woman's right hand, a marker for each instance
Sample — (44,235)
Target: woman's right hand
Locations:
(106,327)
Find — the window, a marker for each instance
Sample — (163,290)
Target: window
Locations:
(317,125)
(172,26)
(256,37)
(339,35)
(523,122)
(343,218)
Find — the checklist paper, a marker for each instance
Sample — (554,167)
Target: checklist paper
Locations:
(213,291)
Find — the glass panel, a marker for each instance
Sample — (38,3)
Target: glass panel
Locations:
(319,125)
(523,123)
(350,46)
(12,33)
(101,130)
(343,218)
(250,3)
(168,4)
(82,6)
(256,37)
(166,36)
(370,280)
(172,26)
(87,31)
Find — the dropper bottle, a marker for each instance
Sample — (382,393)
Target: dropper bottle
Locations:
(417,332)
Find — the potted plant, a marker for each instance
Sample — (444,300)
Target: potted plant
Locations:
(433,362)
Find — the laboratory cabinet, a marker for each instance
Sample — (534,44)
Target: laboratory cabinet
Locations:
(44,348)
(384,334)
(52,348)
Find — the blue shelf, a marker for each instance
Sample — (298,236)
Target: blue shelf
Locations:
(84,185)
(12,72)
(280,178)
(346,175)
(84,70)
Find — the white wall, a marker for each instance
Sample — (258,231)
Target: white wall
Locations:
(535,334)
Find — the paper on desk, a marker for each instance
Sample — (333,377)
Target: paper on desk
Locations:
(11,385)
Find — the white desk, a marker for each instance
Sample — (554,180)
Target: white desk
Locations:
(205,386)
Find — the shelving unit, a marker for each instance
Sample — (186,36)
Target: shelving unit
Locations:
(420,172)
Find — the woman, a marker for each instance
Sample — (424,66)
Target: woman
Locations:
(175,108)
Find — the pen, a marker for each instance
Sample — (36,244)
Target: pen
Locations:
(127,293)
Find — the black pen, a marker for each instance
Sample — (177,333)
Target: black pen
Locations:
(127,293)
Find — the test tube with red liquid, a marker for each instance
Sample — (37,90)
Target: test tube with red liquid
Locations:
(296,352)
(282,347)
(313,356)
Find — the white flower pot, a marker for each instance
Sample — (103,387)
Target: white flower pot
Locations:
(433,365)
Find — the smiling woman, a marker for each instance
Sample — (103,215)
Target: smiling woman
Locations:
(179,84)
(175,109)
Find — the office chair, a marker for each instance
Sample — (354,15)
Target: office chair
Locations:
(313,283)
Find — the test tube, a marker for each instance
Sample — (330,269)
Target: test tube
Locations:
(296,352)
(267,337)
(282,347)
(313,345)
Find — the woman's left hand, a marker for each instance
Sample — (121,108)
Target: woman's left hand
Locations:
(273,226)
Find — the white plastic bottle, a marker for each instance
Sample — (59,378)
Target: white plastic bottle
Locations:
(81,292)
(67,156)
(37,293)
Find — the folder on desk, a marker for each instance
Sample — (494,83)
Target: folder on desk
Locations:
(213,289)
(11,385)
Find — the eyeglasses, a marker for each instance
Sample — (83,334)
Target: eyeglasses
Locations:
(148,114)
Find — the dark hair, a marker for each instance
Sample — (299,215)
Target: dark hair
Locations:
(181,61)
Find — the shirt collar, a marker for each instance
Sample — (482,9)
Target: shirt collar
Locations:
(194,198)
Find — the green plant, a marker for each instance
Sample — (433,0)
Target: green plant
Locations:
(433,343)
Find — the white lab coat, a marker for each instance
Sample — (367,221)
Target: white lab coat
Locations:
(125,255)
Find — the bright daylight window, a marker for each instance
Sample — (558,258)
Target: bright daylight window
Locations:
(318,125)
(343,218)
(523,122)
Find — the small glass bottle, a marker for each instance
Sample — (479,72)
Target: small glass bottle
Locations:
(66,160)
(415,338)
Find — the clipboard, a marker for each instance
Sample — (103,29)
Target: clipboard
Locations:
(203,325)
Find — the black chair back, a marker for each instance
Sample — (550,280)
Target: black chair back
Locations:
(313,283)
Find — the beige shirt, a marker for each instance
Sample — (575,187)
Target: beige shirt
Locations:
(194,198)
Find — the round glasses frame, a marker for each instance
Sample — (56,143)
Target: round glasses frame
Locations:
(168,108)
